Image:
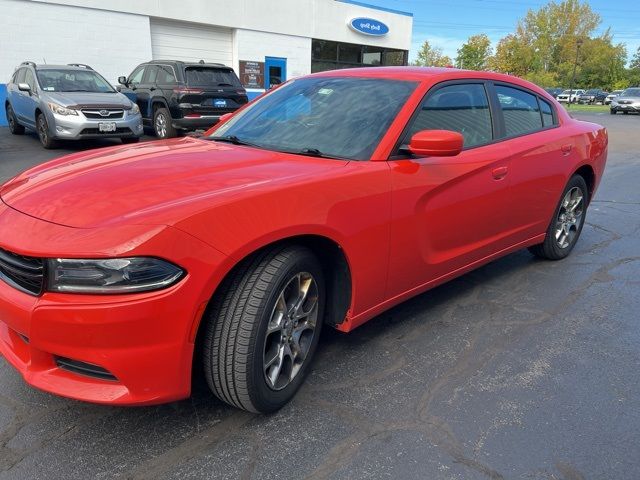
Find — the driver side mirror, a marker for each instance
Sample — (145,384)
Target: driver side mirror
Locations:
(24,87)
(122,81)
(436,143)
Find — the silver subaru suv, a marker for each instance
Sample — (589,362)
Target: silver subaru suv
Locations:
(69,102)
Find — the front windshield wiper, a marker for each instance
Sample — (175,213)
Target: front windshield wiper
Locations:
(235,140)
(314,152)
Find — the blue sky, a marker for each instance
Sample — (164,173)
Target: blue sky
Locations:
(447,24)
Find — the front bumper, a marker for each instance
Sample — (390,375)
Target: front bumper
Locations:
(76,127)
(145,340)
(616,107)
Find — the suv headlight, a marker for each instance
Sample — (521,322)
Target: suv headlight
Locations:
(110,276)
(135,110)
(60,110)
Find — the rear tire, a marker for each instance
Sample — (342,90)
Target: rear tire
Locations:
(162,123)
(14,127)
(567,222)
(263,328)
(44,135)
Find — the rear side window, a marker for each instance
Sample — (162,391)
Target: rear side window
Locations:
(547,114)
(211,77)
(165,75)
(520,110)
(460,108)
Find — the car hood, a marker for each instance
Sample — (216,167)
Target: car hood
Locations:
(633,99)
(160,182)
(89,99)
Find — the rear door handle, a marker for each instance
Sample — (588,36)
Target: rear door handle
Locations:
(566,149)
(499,172)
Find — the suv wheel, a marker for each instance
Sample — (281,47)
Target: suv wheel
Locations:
(14,127)
(162,123)
(43,132)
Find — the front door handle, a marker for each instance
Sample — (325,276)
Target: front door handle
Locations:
(499,173)
(566,149)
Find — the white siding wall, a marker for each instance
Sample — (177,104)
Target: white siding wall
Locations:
(190,42)
(112,43)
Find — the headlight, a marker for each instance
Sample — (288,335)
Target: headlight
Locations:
(116,275)
(135,110)
(60,110)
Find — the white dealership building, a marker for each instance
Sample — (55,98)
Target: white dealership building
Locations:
(265,42)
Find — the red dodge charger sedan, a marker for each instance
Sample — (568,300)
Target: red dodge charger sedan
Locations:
(323,203)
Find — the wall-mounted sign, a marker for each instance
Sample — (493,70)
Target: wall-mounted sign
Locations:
(252,74)
(368,26)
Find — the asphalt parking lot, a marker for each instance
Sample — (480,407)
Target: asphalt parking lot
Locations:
(523,369)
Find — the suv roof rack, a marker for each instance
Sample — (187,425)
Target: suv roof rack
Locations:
(28,62)
(81,65)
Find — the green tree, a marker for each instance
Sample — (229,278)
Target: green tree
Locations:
(635,61)
(475,53)
(429,56)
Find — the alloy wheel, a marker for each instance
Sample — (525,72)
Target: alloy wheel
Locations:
(290,331)
(161,125)
(569,217)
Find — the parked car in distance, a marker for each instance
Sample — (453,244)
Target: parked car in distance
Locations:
(554,92)
(627,101)
(313,206)
(68,102)
(593,96)
(569,96)
(611,96)
(176,96)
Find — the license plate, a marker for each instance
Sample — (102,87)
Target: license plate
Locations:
(107,126)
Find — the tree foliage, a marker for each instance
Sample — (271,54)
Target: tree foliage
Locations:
(475,53)
(430,56)
(549,42)
(635,61)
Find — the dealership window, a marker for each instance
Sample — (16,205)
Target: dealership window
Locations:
(329,55)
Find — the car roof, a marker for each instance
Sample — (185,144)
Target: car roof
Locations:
(432,74)
(188,64)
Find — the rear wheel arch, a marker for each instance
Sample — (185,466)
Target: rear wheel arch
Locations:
(587,172)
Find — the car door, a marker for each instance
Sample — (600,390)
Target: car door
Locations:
(16,97)
(30,99)
(538,153)
(133,91)
(448,212)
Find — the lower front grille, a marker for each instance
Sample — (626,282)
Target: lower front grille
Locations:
(24,273)
(82,368)
(95,131)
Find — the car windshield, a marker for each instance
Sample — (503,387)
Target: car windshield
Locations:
(631,92)
(210,77)
(321,116)
(54,80)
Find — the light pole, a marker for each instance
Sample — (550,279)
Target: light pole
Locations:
(573,77)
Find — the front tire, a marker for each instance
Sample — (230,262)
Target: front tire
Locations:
(612,111)
(162,123)
(263,329)
(14,127)
(43,133)
(566,225)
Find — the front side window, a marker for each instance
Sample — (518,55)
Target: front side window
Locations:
(29,80)
(520,110)
(462,108)
(20,75)
(322,116)
(62,80)
(136,76)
